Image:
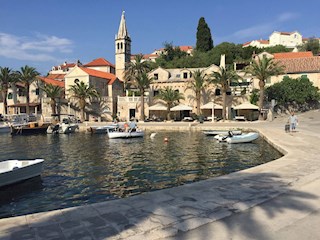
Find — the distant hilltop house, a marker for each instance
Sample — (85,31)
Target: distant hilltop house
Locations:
(287,39)
(158,52)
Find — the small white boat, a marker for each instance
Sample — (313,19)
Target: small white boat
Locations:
(12,171)
(4,128)
(103,129)
(221,132)
(244,138)
(130,134)
(63,128)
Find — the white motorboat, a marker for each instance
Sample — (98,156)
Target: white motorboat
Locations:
(63,128)
(67,125)
(243,138)
(4,128)
(12,171)
(129,134)
(221,132)
(102,129)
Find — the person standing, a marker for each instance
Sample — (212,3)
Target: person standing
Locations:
(293,121)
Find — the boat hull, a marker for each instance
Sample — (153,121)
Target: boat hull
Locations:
(29,129)
(62,128)
(102,129)
(244,138)
(4,129)
(116,134)
(12,171)
(221,132)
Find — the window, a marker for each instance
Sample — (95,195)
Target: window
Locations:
(155,93)
(10,96)
(178,76)
(177,91)
(76,80)
(21,92)
(185,75)
(37,91)
(156,76)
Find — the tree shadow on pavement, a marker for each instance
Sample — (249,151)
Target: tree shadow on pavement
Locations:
(210,209)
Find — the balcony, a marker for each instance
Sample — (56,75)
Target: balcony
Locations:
(131,99)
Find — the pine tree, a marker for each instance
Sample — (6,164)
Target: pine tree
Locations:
(204,38)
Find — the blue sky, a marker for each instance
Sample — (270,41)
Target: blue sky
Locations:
(42,33)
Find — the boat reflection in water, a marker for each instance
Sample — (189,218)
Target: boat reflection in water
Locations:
(88,168)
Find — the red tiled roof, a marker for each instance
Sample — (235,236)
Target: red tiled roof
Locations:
(99,62)
(56,76)
(185,48)
(300,65)
(292,55)
(52,81)
(65,65)
(108,76)
(285,33)
(263,41)
(260,41)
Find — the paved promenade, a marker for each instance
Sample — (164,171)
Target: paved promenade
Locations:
(276,200)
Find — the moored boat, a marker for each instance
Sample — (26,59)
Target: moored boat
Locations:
(102,129)
(68,125)
(243,138)
(12,171)
(4,128)
(29,128)
(126,134)
(221,132)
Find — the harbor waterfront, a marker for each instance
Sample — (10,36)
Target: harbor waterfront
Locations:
(90,168)
(276,200)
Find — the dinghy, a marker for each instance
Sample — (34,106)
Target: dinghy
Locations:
(12,171)
(221,132)
(243,138)
(129,134)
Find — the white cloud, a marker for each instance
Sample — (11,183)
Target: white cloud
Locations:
(284,17)
(38,48)
(265,29)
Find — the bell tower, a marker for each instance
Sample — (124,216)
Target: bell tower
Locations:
(122,48)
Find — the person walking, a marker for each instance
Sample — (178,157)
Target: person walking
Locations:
(293,121)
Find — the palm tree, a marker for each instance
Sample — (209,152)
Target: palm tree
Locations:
(223,78)
(136,74)
(53,92)
(7,76)
(171,97)
(27,75)
(263,69)
(82,92)
(198,85)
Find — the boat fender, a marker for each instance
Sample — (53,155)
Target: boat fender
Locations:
(15,168)
(230,133)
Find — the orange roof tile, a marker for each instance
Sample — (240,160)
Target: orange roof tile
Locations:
(263,41)
(52,81)
(185,48)
(65,65)
(99,62)
(56,76)
(95,73)
(292,55)
(300,65)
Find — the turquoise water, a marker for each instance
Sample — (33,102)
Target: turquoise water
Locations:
(82,168)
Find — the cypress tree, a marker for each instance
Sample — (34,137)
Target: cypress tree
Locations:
(204,38)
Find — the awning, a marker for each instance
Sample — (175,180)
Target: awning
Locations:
(209,106)
(24,105)
(158,107)
(246,105)
(181,107)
